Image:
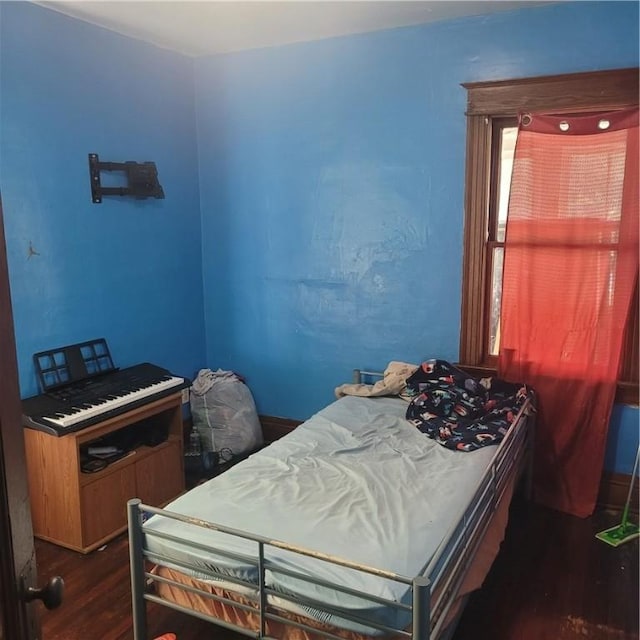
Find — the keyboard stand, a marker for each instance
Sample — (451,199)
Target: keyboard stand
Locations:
(82,511)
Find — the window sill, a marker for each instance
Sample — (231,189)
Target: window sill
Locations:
(626,393)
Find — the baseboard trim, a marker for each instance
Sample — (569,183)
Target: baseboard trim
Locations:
(274,427)
(614,488)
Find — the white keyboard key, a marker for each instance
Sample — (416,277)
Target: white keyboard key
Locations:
(70,419)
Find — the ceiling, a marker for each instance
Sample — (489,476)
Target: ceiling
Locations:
(199,28)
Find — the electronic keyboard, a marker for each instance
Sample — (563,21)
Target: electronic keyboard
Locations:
(77,405)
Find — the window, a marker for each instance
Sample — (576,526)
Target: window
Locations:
(492,108)
(503,137)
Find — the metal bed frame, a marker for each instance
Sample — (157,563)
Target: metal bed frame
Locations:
(433,590)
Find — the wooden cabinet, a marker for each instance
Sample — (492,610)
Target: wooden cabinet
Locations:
(82,511)
(159,478)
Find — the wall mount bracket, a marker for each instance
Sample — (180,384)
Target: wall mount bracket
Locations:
(142,179)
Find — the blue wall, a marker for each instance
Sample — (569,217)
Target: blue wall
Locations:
(331,185)
(126,270)
(622,441)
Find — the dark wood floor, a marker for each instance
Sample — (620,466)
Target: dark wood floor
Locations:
(552,581)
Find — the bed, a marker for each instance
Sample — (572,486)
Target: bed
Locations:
(355,526)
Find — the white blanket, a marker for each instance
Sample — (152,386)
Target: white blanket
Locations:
(355,481)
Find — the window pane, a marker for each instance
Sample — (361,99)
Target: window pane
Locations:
(507,150)
(488,190)
(496,298)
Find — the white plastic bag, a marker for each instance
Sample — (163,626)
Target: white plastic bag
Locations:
(224,413)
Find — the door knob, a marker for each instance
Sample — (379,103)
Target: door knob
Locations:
(50,594)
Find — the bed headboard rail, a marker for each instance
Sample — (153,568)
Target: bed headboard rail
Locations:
(360,374)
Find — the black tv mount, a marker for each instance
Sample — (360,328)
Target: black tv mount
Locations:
(142,179)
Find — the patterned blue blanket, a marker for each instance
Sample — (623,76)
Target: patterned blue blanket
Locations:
(459,411)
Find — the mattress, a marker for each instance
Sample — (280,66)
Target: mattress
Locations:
(355,481)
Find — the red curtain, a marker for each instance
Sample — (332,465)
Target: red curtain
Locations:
(570,265)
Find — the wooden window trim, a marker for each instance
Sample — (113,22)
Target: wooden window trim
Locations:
(567,93)
(572,92)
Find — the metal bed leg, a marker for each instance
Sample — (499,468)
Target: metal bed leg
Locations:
(136,562)
(421,608)
(263,594)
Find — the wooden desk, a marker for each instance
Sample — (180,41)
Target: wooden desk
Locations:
(82,511)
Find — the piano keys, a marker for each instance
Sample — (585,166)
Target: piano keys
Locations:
(80,404)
